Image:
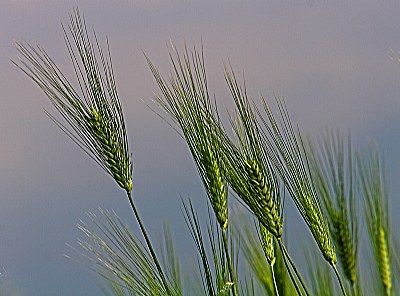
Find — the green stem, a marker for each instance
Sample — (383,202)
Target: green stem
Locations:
(288,268)
(273,278)
(293,266)
(339,279)
(149,245)
(228,259)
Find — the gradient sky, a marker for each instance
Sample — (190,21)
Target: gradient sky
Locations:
(330,60)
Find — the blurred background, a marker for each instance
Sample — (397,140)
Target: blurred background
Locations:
(334,62)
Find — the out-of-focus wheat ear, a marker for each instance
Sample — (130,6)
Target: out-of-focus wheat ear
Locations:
(336,181)
(377,215)
(344,248)
(384,260)
(290,159)
(321,280)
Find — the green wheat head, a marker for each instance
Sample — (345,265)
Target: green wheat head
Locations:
(377,214)
(93,113)
(267,242)
(336,181)
(248,171)
(187,102)
(289,157)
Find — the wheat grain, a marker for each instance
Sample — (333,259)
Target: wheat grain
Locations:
(334,178)
(267,242)
(377,214)
(319,230)
(216,186)
(111,149)
(262,202)
(344,247)
(384,260)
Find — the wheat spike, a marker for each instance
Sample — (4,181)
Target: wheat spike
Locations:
(377,214)
(186,101)
(384,260)
(93,113)
(112,149)
(216,186)
(335,181)
(319,228)
(344,247)
(263,203)
(267,242)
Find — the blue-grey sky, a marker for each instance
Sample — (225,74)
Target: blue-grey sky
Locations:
(330,60)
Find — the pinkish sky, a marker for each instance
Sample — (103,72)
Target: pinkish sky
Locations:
(330,60)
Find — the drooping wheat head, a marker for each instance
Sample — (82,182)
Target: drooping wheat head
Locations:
(187,102)
(93,115)
(384,259)
(267,242)
(289,157)
(112,149)
(265,201)
(344,247)
(336,181)
(248,171)
(377,214)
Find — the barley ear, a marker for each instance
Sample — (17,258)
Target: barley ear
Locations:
(93,113)
(267,242)
(186,100)
(289,157)
(336,180)
(384,260)
(248,171)
(377,214)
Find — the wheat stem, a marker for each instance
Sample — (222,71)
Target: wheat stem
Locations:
(273,278)
(228,259)
(339,279)
(149,245)
(286,256)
